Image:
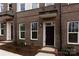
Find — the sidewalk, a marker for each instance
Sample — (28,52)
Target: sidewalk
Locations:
(6,53)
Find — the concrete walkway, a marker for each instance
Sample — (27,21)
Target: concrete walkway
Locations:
(6,53)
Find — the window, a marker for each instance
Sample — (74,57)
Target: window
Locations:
(73,32)
(22,31)
(34,30)
(1,7)
(35,5)
(26,6)
(1,29)
(22,6)
(48,4)
(9,6)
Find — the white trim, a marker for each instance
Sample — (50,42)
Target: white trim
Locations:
(8,6)
(27,6)
(44,31)
(1,7)
(32,31)
(8,26)
(37,5)
(20,31)
(48,4)
(72,32)
(18,7)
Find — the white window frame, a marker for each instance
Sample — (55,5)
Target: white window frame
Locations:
(1,7)
(18,7)
(34,30)
(36,7)
(1,29)
(8,6)
(21,31)
(48,4)
(72,32)
(28,6)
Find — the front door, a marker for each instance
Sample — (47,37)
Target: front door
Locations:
(12,31)
(50,35)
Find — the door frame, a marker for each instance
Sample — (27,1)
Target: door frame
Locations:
(44,31)
(8,31)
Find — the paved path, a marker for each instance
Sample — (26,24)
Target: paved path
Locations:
(6,53)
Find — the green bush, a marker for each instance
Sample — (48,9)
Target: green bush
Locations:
(21,43)
(66,50)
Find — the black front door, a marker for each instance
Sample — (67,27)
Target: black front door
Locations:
(50,35)
(11,31)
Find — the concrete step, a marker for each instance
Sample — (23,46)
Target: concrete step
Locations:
(4,42)
(44,54)
(48,50)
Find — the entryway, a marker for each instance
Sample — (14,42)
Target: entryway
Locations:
(48,34)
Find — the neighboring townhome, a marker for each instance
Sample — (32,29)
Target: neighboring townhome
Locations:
(70,25)
(38,24)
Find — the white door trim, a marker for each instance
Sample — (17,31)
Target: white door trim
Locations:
(8,26)
(44,31)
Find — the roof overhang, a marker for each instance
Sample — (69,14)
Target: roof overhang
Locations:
(48,15)
(6,18)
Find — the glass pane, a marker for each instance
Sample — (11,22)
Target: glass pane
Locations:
(1,7)
(34,26)
(34,5)
(34,35)
(2,31)
(22,27)
(22,6)
(2,25)
(22,34)
(73,27)
(73,37)
(70,27)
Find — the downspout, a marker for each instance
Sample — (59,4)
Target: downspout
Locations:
(60,29)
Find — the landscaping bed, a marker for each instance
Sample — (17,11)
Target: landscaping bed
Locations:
(25,50)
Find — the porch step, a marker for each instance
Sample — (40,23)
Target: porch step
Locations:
(48,50)
(4,42)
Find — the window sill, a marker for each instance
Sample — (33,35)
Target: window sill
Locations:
(73,43)
(21,38)
(34,39)
(1,35)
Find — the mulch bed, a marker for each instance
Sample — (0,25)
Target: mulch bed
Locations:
(25,51)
